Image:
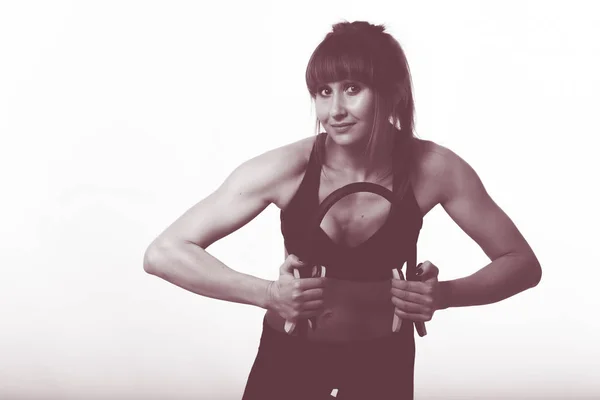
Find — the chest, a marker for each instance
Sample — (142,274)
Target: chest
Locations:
(356,218)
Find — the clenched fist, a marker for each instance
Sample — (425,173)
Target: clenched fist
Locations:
(418,300)
(294,298)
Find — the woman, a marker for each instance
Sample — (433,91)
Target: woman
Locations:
(360,82)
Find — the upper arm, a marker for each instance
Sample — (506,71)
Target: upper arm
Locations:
(244,194)
(468,203)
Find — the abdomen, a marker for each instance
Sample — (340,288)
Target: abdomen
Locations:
(353,311)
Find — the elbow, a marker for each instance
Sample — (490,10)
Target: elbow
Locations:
(536,272)
(152,258)
(149,261)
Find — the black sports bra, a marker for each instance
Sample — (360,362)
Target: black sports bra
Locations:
(389,247)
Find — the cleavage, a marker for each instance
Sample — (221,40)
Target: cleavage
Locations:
(356,219)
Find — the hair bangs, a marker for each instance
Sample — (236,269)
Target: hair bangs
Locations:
(338,60)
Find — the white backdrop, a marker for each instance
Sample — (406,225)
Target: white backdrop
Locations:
(117,116)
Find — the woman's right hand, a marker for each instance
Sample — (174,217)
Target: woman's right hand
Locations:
(294,298)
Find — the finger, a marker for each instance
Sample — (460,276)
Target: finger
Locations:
(313,305)
(291,262)
(311,294)
(412,316)
(411,286)
(410,307)
(411,296)
(310,283)
(427,271)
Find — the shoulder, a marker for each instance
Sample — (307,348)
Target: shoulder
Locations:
(271,172)
(432,158)
(441,169)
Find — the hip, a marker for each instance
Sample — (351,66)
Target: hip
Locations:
(290,367)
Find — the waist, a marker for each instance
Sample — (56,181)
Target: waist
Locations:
(338,325)
(340,331)
(352,311)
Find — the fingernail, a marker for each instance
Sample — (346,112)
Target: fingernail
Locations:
(419,272)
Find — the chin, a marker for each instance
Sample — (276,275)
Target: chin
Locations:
(347,138)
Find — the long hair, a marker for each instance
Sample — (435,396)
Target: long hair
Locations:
(365,53)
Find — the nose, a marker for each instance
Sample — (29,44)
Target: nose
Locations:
(338,107)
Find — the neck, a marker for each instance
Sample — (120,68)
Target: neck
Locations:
(352,162)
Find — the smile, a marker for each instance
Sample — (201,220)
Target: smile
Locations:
(342,127)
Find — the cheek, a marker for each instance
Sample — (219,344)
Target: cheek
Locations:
(321,111)
(363,107)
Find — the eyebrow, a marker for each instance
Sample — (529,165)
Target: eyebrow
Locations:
(343,82)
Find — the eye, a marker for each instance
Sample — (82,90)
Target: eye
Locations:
(353,88)
(325,91)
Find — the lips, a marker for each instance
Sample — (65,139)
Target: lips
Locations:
(342,125)
(343,128)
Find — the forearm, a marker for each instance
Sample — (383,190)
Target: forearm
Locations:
(193,268)
(501,279)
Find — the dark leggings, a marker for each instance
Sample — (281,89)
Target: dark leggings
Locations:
(291,368)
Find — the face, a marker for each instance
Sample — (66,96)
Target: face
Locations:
(345,109)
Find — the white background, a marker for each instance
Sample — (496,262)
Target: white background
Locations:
(117,116)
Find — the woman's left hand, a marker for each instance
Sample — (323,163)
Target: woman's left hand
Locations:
(418,300)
